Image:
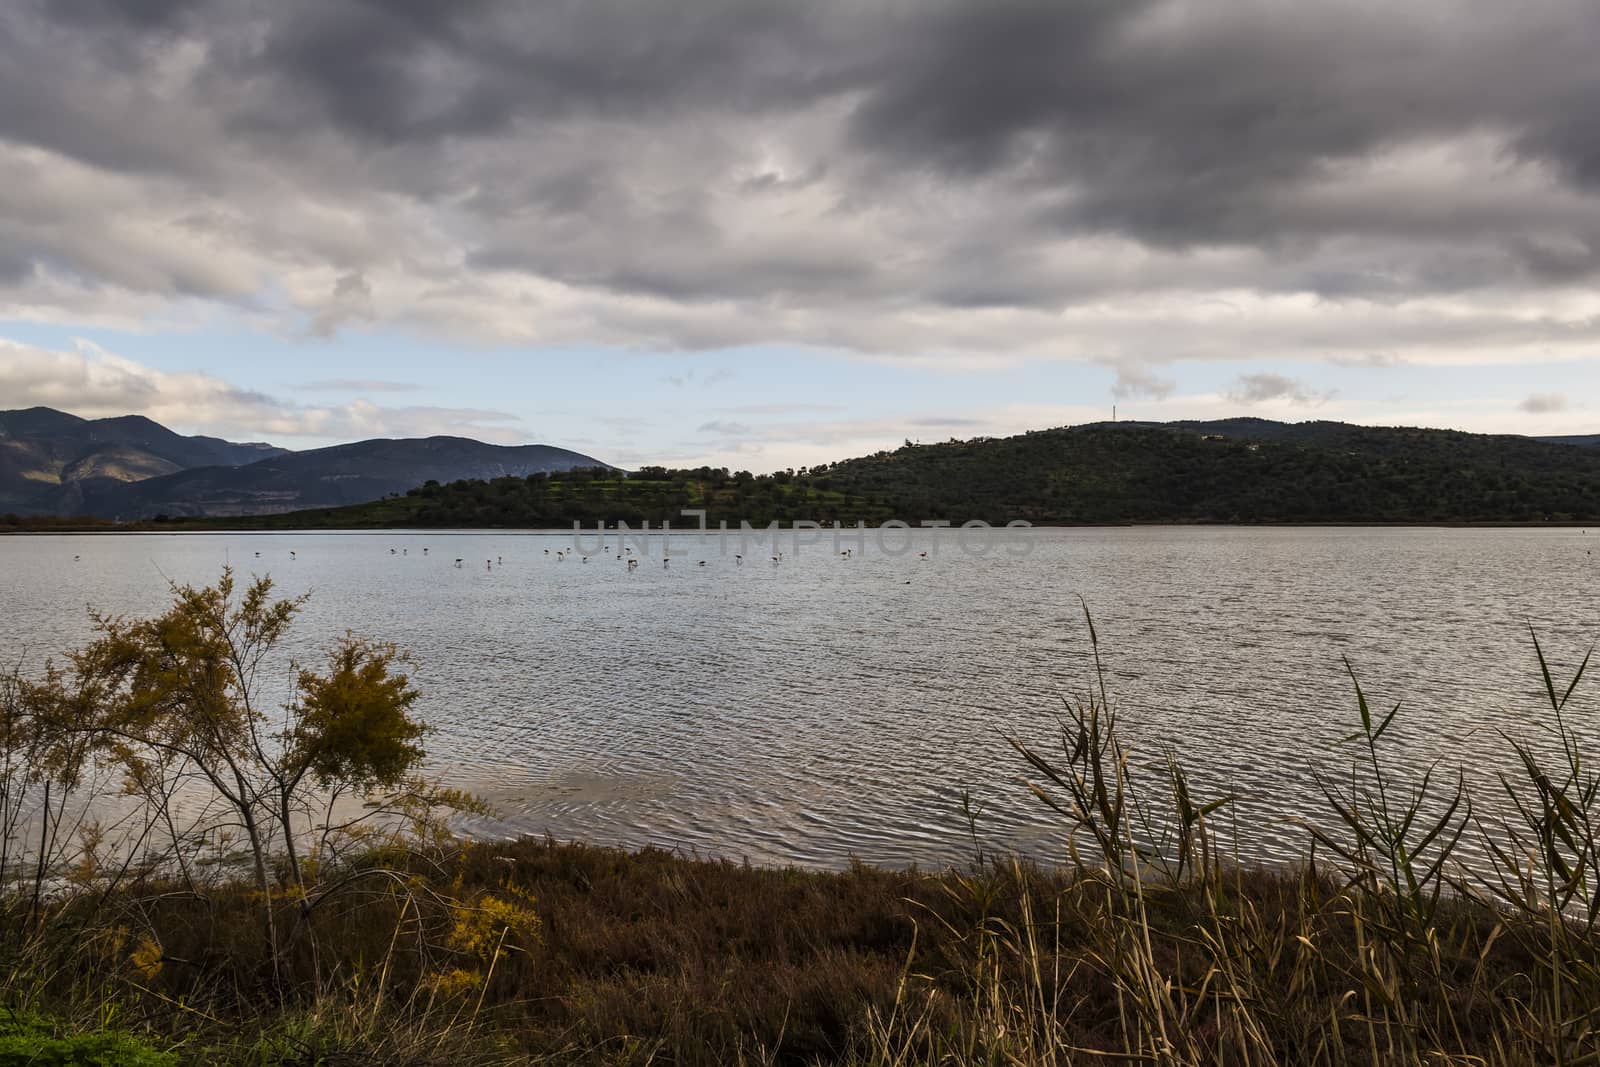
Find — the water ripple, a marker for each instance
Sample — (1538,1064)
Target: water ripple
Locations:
(825,709)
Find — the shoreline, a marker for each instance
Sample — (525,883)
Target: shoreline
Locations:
(175,529)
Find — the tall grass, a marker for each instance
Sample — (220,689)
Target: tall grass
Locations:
(1392,949)
(1421,928)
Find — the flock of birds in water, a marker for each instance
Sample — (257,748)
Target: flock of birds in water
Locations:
(625,555)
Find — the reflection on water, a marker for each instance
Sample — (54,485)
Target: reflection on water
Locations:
(824,708)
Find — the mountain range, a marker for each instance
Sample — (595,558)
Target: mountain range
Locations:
(1227,471)
(130,467)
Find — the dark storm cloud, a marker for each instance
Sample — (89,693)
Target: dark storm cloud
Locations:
(420,69)
(134,15)
(880,176)
(1183,122)
(14,266)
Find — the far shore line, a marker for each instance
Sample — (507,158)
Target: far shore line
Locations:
(197,528)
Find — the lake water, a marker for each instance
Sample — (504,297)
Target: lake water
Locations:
(825,708)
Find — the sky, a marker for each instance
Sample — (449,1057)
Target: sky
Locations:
(767,233)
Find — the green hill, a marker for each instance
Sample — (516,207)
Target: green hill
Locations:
(1236,470)
(589,495)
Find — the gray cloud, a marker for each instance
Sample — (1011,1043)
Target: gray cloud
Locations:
(1101,180)
(1135,382)
(1366,359)
(1543,403)
(725,428)
(351,301)
(1260,388)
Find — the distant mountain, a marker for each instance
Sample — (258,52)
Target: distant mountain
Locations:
(1589,440)
(47,457)
(53,463)
(324,477)
(1227,471)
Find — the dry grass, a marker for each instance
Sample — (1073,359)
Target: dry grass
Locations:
(650,957)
